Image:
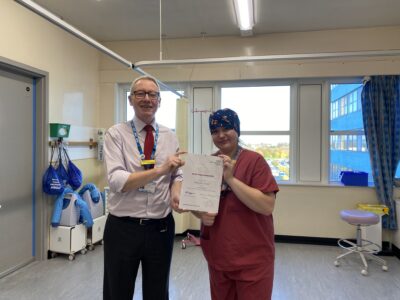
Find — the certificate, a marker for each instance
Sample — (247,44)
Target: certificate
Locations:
(201,187)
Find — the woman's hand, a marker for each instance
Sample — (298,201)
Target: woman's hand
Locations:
(228,164)
(206,218)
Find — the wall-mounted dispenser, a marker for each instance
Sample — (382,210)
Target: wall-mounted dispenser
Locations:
(100,143)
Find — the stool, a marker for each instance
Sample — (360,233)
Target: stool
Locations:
(360,218)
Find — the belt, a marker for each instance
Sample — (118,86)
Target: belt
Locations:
(142,221)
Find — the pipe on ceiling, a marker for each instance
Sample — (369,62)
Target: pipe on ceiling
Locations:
(276,57)
(69,28)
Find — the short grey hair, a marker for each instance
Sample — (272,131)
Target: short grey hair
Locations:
(144,77)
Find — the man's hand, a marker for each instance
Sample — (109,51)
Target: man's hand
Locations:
(172,163)
(175,204)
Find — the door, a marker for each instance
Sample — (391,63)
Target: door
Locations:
(17,127)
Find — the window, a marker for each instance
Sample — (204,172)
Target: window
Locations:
(334,109)
(276,121)
(352,102)
(363,144)
(264,113)
(343,106)
(348,149)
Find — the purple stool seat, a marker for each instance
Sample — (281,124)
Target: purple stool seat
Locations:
(359,217)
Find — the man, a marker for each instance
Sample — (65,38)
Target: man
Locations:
(144,175)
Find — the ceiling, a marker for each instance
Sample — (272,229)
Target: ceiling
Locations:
(114,20)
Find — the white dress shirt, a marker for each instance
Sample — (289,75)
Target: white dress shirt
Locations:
(122,158)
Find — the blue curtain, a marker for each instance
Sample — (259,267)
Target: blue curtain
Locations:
(380,100)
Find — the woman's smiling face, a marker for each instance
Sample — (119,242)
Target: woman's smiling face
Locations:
(226,140)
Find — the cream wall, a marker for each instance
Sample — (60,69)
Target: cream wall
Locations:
(383,38)
(72,65)
(300,210)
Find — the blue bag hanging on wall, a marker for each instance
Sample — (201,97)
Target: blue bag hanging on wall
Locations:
(61,171)
(51,183)
(74,174)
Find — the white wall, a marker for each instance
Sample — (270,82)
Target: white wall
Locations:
(382,38)
(73,68)
(73,65)
(301,210)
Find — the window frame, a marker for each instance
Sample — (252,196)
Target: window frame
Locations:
(293,132)
(292,117)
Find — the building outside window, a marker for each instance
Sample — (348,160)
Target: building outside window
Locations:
(348,150)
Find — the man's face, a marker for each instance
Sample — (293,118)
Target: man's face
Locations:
(145,100)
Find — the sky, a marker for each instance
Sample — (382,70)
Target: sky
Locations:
(259,109)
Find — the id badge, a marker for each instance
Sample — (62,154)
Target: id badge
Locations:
(148,188)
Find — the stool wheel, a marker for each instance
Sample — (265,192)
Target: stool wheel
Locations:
(336,263)
(385,268)
(364,272)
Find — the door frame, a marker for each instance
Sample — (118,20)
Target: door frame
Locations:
(42,204)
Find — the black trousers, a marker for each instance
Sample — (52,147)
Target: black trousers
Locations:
(129,242)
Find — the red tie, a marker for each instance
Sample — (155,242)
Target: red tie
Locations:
(148,142)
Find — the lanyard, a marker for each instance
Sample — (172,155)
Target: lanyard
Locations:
(238,151)
(142,157)
(225,188)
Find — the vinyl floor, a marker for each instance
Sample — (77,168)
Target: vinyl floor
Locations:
(302,272)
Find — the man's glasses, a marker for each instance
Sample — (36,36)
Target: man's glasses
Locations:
(142,94)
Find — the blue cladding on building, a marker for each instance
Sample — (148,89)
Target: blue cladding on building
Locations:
(348,149)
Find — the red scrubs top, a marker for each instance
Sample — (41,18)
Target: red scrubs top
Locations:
(241,238)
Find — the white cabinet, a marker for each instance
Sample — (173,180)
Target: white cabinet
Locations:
(68,240)
(373,233)
(95,234)
(396,233)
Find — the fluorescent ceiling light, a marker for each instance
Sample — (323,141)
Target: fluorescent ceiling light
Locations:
(244,14)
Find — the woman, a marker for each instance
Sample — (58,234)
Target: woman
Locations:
(238,242)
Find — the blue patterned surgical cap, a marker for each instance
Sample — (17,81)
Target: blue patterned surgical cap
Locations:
(225,118)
